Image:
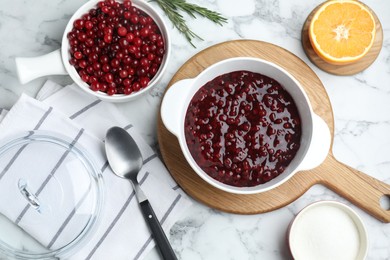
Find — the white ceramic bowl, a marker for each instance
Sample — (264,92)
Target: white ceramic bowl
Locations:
(315,139)
(327,230)
(57,62)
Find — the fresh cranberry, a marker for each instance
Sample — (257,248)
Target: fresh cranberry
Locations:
(105,9)
(123,43)
(242,128)
(96,66)
(127,15)
(78,24)
(88,24)
(123,73)
(111,91)
(108,38)
(85,78)
(126,82)
(78,55)
(151,56)
(136,86)
(144,63)
(127,90)
(134,19)
(116,48)
(82,64)
(89,42)
(137,42)
(127,4)
(122,31)
(153,70)
(109,78)
(143,20)
(129,37)
(131,71)
(115,63)
(112,13)
(106,67)
(94,86)
(73,61)
(144,81)
(145,32)
(104,59)
(107,30)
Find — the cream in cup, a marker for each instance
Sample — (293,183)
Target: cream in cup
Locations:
(328,230)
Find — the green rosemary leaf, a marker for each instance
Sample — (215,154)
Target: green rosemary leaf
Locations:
(191,9)
(172,7)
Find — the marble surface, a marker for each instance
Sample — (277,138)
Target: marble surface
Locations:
(361,105)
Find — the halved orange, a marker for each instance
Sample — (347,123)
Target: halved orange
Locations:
(342,31)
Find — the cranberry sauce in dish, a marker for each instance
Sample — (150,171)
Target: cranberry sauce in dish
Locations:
(242,128)
(116,48)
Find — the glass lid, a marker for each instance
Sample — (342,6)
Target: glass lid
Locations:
(50,195)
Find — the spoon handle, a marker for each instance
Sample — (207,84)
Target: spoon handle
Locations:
(157,231)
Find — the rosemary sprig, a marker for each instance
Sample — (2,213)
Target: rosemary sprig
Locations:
(172,8)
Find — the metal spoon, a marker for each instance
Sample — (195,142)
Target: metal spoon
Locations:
(126,161)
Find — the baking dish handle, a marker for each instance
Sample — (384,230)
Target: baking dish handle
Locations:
(320,145)
(29,68)
(172,106)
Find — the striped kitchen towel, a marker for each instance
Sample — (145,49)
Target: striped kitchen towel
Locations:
(122,232)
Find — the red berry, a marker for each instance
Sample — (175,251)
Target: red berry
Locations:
(127,90)
(82,64)
(106,67)
(79,24)
(127,15)
(108,38)
(107,30)
(109,78)
(105,9)
(137,42)
(78,55)
(144,32)
(127,4)
(94,86)
(122,31)
(134,19)
(123,73)
(111,91)
(115,63)
(88,25)
(129,37)
(126,82)
(144,82)
(136,86)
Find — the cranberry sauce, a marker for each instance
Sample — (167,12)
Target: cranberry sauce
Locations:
(242,128)
(116,48)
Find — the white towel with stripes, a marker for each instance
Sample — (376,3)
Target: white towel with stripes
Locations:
(122,232)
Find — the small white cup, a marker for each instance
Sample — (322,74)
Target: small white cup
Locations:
(57,62)
(327,230)
(315,138)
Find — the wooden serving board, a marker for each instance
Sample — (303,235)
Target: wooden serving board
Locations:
(361,189)
(348,69)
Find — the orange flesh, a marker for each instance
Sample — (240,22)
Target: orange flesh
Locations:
(342,31)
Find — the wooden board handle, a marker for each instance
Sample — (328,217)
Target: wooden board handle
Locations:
(361,189)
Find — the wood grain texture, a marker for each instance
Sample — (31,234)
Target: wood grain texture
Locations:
(360,189)
(348,69)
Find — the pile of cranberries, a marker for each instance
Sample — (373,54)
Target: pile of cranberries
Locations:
(243,128)
(116,48)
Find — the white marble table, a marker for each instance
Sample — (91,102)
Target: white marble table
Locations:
(361,105)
